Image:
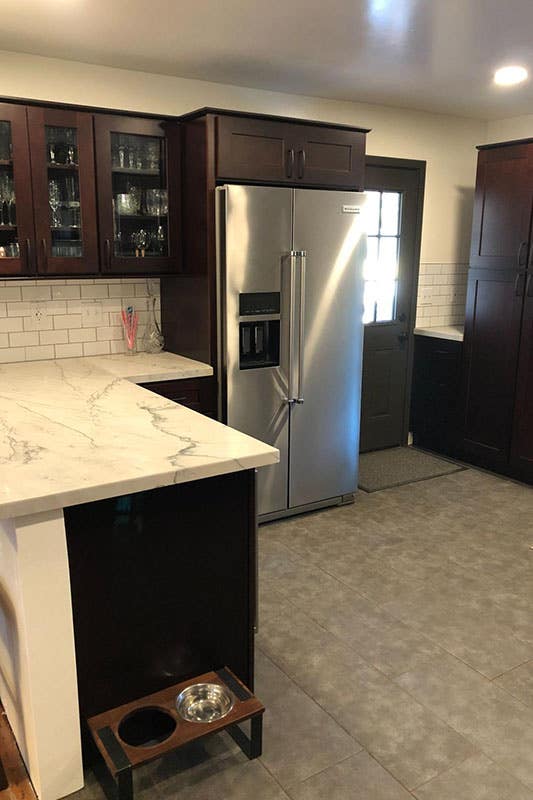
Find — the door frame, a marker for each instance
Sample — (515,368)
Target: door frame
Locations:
(419,168)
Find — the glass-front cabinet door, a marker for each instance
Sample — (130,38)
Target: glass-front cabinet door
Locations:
(137,202)
(64,191)
(16,207)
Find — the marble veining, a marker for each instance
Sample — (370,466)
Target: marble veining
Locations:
(79,429)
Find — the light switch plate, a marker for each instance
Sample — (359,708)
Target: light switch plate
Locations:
(92,312)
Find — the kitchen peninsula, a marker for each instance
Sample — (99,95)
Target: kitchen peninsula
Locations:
(127,547)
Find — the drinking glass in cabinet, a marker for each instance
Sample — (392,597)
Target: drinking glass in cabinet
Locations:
(9,246)
(140,196)
(5,141)
(64,192)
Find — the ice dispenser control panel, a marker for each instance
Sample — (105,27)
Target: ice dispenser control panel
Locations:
(259,337)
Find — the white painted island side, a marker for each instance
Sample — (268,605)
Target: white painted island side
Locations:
(74,431)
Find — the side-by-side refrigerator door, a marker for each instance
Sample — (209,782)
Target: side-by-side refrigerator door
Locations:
(324,438)
(254,240)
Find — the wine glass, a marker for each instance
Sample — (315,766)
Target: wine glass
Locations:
(54,199)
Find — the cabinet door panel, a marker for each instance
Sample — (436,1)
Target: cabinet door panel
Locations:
(492,331)
(63,179)
(17,236)
(255,150)
(330,157)
(138,177)
(522,444)
(502,208)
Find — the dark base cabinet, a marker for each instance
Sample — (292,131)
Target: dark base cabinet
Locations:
(163,588)
(200,394)
(434,406)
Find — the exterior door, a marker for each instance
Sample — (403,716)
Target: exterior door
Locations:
(394,204)
(64,192)
(255,243)
(327,345)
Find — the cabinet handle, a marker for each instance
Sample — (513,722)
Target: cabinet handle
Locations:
(301,163)
(519,254)
(45,254)
(107,249)
(518,286)
(290,163)
(529,288)
(28,256)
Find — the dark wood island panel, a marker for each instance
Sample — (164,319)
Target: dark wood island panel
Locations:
(163,587)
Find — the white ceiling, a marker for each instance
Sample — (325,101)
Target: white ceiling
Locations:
(437,55)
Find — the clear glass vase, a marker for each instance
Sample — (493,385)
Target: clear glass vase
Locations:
(153,341)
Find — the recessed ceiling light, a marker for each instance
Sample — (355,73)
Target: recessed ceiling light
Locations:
(509,76)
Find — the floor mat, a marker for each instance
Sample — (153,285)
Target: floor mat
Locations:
(397,466)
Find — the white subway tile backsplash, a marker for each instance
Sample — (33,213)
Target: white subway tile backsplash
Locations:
(50,319)
(10,324)
(23,339)
(82,335)
(109,333)
(74,350)
(67,292)
(38,323)
(40,352)
(53,337)
(67,321)
(441,294)
(39,292)
(10,293)
(96,290)
(96,348)
(9,354)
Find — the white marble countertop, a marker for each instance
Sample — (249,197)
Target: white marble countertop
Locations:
(454,333)
(76,430)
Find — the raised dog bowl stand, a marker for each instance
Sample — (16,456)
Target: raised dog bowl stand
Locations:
(165,730)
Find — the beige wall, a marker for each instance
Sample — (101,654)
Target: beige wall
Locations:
(504,130)
(447,143)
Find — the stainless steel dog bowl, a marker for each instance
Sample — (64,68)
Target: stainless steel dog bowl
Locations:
(204,702)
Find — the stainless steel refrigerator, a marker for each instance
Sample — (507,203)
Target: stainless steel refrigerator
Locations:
(290,295)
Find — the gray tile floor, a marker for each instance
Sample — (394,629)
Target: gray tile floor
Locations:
(395,655)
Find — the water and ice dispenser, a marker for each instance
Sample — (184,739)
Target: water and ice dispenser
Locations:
(259,337)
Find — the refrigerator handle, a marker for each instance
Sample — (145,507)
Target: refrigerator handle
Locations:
(292,287)
(302,254)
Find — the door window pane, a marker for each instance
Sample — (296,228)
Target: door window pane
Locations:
(383,211)
(9,243)
(140,197)
(64,191)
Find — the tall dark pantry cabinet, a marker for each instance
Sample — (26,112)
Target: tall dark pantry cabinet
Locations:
(497,384)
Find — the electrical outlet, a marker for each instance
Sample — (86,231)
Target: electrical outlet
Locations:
(92,313)
(39,316)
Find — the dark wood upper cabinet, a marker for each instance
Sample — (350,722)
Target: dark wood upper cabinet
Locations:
(502,208)
(255,150)
(138,187)
(17,236)
(261,149)
(64,192)
(329,157)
